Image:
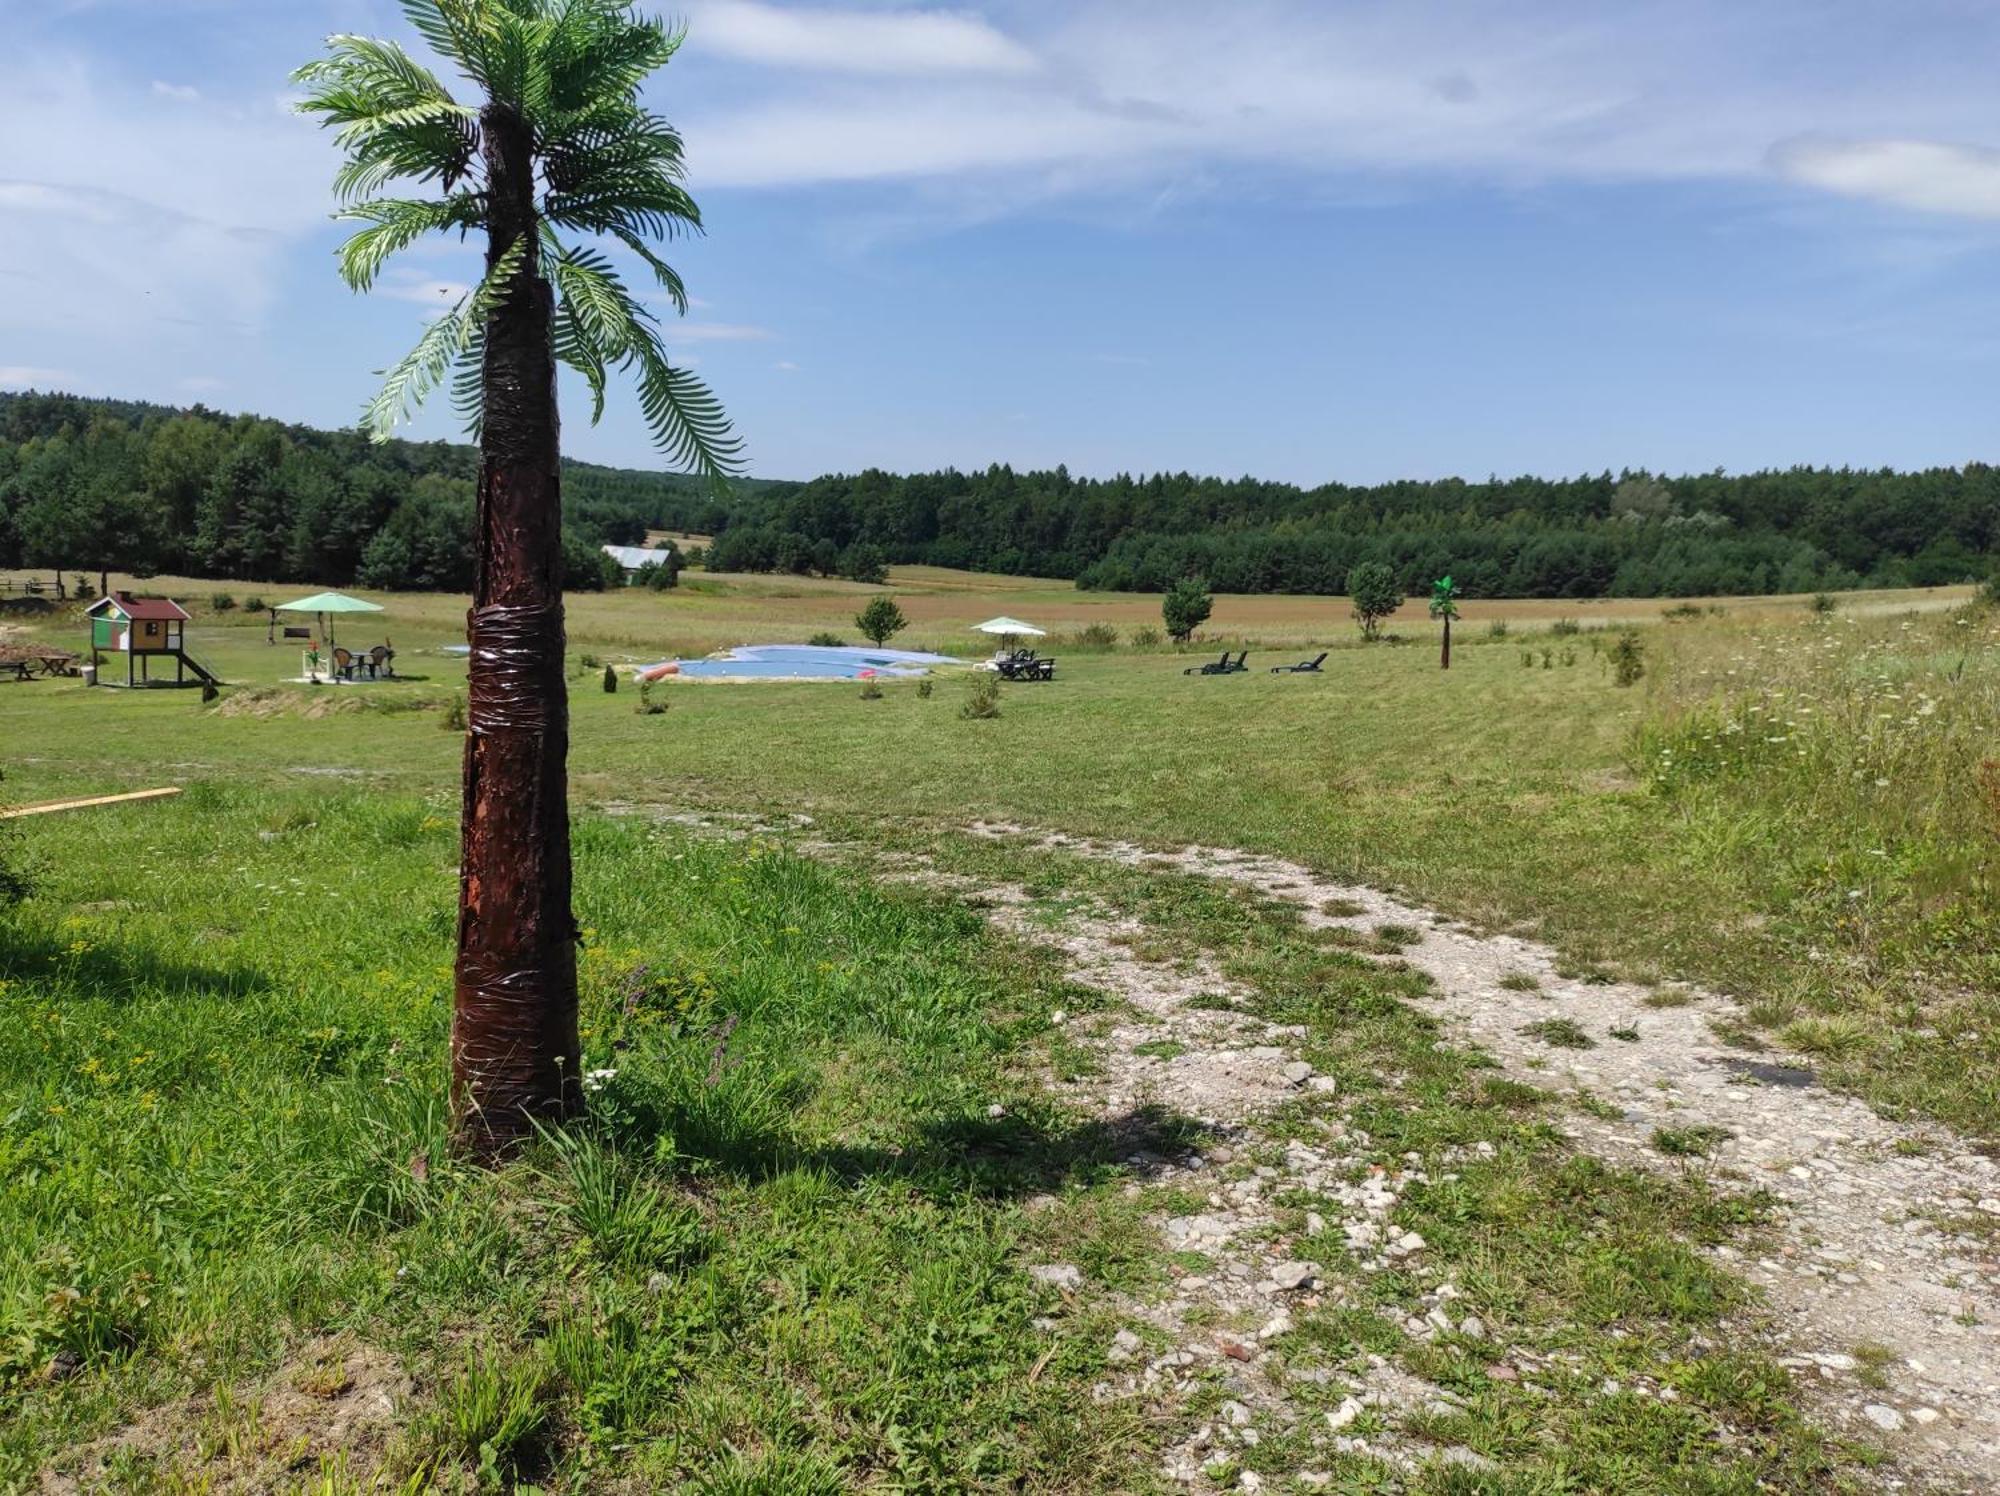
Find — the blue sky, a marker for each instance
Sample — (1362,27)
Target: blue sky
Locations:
(1300,240)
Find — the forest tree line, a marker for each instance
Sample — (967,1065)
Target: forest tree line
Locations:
(122,486)
(100,485)
(1625,534)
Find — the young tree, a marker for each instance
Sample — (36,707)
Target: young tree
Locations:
(1444,604)
(881,620)
(1186,607)
(556,142)
(1372,588)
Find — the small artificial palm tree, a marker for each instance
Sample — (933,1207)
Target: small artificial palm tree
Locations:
(1444,604)
(555,159)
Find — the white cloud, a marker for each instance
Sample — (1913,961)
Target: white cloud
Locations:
(121,207)
(185,93)
(31,377)
(857,41)
(785,366)
(718,332)
(1158,97)
(1960,180)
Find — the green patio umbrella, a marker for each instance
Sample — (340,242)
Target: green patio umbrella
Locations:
(325,603)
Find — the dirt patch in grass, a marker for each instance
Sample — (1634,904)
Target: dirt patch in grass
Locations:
(334,1398)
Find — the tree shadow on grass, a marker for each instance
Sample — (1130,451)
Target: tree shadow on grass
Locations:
(952,1156)
(113,971)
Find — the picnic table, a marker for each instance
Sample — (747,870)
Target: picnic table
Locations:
(26,662)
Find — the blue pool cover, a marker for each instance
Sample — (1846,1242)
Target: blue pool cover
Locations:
(812,661)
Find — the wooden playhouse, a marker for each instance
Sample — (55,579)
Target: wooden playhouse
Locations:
(143,630)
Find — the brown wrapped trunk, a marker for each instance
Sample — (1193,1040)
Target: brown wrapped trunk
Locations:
(513,1033)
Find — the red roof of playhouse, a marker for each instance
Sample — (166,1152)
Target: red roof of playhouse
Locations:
(164,609)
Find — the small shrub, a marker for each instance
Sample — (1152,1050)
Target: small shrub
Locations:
(1147,637)
(1682,610)
(610,680)
(1823,603)
(83,592)
(16,880)
(824,640)
(587,663)
(1097,636)
(1563,627)
(924,688)
(1521,981)
(452,719)
(255,604)
(1628,658)
(1989,590)
(1497,629)
(1568,656)
(492,1413)
(871,690)
(1548,659)
(648,706)
(222,602)
(1527,659)
(982,697)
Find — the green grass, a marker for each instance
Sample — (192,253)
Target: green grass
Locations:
(1548,806)
(787,1252)
(789,1229)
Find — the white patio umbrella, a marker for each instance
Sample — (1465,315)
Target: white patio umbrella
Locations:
(1009,628)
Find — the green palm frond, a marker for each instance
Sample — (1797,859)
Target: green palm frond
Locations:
(468,381)
(606,169)
(605,325)
(406,383)
(575,349)
(397,223)
(686,420)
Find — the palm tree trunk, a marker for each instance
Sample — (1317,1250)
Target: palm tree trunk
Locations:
(513,1039)
(1445,663)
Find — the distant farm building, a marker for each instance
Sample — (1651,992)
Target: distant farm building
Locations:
(632,557)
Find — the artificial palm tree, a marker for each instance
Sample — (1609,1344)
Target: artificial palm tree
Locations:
(555,144)
(1444,604)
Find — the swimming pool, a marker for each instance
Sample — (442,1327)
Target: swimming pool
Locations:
(809,662)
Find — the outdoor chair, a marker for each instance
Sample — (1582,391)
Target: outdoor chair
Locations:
(381,660)
(343,663)
(1213,667)
(1240,664)
(1306,667)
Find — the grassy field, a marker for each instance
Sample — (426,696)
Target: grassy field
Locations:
(1790,805)
(789,1254)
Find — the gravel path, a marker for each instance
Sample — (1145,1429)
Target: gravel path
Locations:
(1890,1315)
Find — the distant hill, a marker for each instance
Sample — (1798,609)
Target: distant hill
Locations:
(134,486)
